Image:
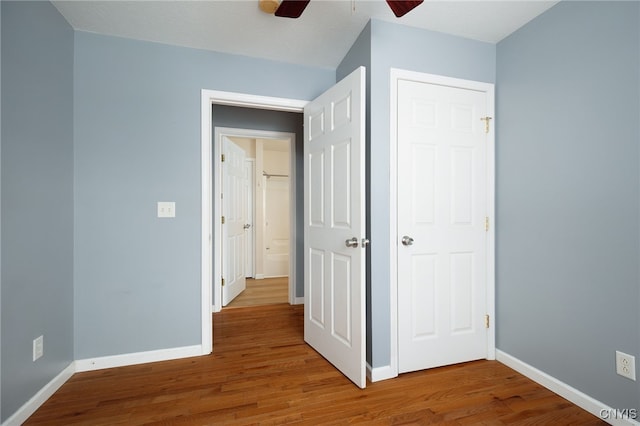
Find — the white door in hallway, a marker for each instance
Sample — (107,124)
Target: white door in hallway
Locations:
(277,226)
(334,217)
(442,237)
(234,212)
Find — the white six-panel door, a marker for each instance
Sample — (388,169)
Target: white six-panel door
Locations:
(234,211)
(441,213)
(334,216)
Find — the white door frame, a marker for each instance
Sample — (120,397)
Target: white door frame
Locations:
(207,99)
(219,133)
(488,88)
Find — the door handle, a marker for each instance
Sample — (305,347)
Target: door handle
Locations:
(247,226)
(352,242)
(407,240)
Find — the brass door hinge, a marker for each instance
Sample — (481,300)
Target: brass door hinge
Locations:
(486,123)
(222,282)
(223,158)
(223,220)
(486,223)
(486,321)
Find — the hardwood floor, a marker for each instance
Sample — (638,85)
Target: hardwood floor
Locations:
(263,373)
(267,291)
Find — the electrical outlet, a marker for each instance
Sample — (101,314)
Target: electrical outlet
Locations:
(626,365)
(38,348)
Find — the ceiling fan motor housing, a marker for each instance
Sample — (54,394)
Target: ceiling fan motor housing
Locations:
(269,6)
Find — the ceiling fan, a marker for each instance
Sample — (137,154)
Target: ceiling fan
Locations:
(294,8)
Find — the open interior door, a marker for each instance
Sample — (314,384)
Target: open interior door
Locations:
(234,211)
(334,231)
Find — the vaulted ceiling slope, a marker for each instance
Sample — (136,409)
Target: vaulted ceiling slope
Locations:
(320,37)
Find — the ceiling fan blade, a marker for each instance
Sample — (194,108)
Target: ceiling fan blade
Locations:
(401,8)
(291,8)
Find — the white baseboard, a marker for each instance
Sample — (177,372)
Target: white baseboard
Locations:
(259,277)
(137,358)
(298,301)
(39,398)
(380,373)
(572,394)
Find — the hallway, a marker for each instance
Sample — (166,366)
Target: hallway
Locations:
(267,291)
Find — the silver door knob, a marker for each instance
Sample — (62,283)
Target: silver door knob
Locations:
(247,226)
(407,241)
(365,242)
(352,242)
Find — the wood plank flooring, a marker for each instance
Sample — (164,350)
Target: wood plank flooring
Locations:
(263,373)
(267,291)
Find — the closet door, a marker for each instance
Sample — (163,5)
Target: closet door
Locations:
(442,234)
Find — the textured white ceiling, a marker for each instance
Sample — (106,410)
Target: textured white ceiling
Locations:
(320,37)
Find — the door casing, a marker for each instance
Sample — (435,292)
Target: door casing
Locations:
(398,74)
(207,99)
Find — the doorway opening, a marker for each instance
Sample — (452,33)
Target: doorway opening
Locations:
(256,262)
(340,110)
(211,265)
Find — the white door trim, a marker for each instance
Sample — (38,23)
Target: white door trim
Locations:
(489,89)
(220,132)
(207,99)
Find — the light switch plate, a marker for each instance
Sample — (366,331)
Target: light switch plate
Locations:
(166,209)
(38,348)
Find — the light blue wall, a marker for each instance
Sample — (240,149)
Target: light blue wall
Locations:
(568,193)
(386,45)
(37,198)
(277,121)
(358,55)
(0,210)
(137,141)
(637,353)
